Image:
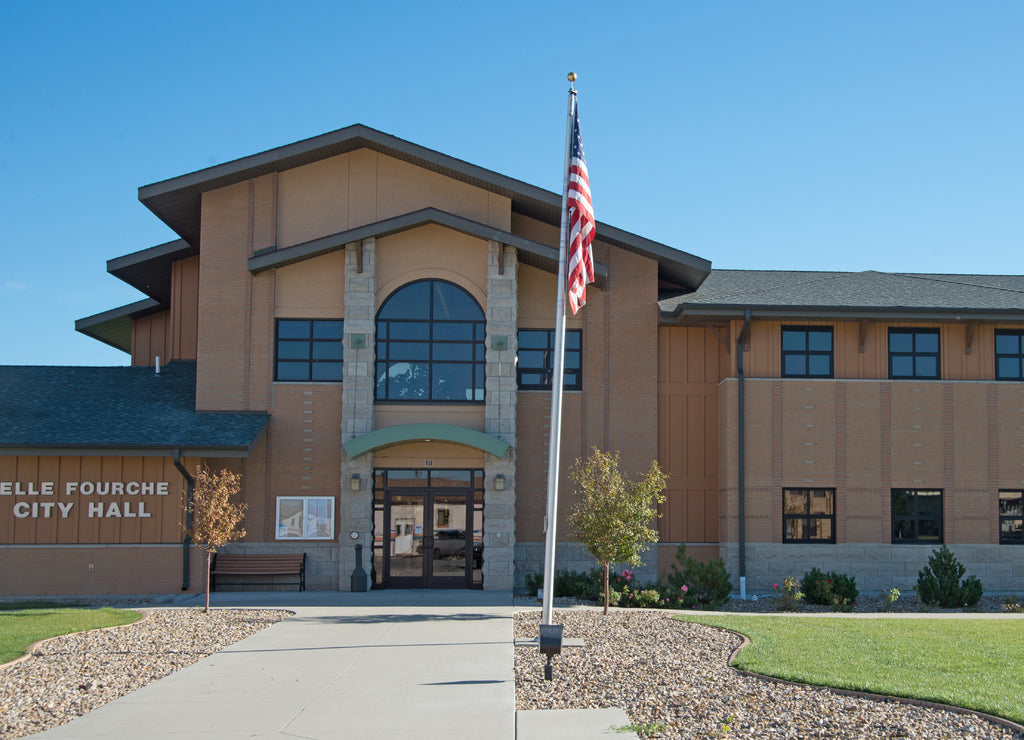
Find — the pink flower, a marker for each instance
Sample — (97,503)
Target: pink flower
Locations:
(685,589)
(775,585)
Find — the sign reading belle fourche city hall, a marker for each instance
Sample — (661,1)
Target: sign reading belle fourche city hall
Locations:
(122,499)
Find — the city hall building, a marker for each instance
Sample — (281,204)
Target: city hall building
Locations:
(363,328)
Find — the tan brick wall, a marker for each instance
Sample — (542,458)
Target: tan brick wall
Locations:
(119,569)
(864,438)
(618,406)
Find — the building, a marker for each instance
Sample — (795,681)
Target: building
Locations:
(362,327)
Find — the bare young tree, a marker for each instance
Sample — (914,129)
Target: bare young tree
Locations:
(613,514)
(216,519)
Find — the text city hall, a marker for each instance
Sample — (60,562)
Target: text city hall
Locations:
(46,509)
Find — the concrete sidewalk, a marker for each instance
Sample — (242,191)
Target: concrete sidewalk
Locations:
(383,664)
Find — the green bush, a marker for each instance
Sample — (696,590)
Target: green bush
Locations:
(697,584)
(939,584)
(830,589)
(570,583)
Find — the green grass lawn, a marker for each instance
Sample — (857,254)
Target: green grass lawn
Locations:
(973,663)
(21,625)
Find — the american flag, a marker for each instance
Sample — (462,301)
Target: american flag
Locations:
(581,223)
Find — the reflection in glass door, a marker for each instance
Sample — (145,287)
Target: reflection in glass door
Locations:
(406,554)
(428,529)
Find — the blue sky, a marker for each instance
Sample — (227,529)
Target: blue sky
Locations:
(790,135)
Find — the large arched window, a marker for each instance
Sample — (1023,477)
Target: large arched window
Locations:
(430,344)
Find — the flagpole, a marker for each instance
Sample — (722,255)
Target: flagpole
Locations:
(555,438)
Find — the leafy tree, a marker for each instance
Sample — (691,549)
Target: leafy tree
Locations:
(613,514)
(216,519)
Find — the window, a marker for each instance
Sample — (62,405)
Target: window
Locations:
(1009,355)
(808,515)
(807,351)
(309,349)
(914,353)
(535,362)
(1011,517)
(916,516)
(430,344)
(305,517)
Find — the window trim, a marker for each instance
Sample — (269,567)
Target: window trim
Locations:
(808,353)
(1019,355)
(807,516)
(917,517)
(547,370)
(306,500)
(310,362)
(1010,517)
(914,353)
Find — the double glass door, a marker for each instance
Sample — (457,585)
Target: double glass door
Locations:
(432,536)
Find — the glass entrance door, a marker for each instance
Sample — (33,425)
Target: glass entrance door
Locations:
(428,536)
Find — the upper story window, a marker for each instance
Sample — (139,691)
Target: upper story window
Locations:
(1011,517)
(914,353)
(535,360)
(309,349)
(430,344)
(916,516)
(808,515)
(1009,354)
(807,352)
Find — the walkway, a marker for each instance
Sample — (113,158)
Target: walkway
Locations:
(383,664)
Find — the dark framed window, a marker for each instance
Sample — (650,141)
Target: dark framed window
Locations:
(807,352)
(1011,517)
(808,515)
(309,349)
(914,353)
(1009,354)
(916,516)
(430,345)
(535,361)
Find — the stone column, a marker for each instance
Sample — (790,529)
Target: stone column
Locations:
(356,514)
(500,417)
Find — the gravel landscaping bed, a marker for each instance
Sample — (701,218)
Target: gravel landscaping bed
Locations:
(71,675)
(675,676)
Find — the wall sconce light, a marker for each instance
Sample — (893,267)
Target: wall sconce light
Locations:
(355,482)
(499,483)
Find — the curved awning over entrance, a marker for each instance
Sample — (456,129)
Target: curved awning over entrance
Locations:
(389,436)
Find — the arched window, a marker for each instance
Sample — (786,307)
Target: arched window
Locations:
(430,344)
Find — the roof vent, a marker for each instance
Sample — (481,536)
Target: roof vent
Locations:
(157,365)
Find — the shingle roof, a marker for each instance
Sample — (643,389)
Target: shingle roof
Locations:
(857,292)
(129,409)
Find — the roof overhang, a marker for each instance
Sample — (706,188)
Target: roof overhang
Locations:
(531,252)
(114,327)
(203,451)
(390,436)
(706,312)
(177,201)
(149,270)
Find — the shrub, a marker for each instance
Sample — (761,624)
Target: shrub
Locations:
(830,589)
(790,595)
(707,584)
(939,584)
(571,583)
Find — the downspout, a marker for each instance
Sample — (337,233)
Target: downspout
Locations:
(190,488)
(742,483)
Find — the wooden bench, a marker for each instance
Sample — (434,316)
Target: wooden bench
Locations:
(258,565)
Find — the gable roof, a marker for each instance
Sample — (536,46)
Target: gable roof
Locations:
(530,252)
(852,294)
(177,201)
(116,410)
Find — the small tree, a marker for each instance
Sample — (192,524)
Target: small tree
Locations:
(216,519)
(613,515)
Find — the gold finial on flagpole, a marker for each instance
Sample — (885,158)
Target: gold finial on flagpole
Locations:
(571,76)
